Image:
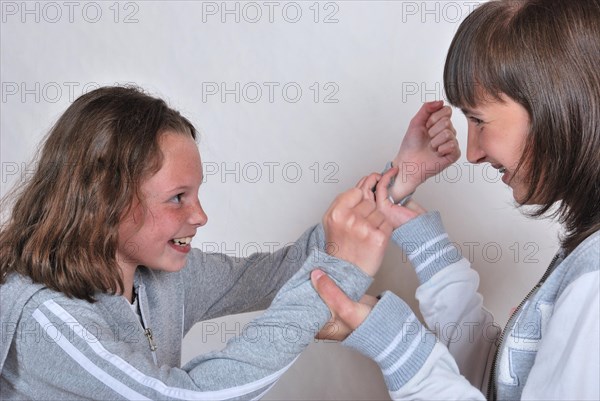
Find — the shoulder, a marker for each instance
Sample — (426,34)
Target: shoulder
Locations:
(26,306)
(588,252)
(583,260)
(47,311)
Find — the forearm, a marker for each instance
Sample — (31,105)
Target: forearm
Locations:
(448,297)
(242,284)
(414,364)
(271,342)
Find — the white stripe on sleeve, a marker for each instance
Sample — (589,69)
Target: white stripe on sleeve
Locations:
(427,245)
(151,382)
(83,361)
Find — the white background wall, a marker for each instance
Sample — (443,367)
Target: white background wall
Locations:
(297,100)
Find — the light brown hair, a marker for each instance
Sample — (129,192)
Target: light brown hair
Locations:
(62,231)
(545,55)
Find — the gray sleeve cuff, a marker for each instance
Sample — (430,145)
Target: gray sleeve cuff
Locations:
(425,241)
(350,278)
(393,337)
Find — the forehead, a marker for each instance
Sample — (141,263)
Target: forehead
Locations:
(181,164)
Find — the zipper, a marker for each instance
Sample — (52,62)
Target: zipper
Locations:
(492,383)
(148,334)
(147,331)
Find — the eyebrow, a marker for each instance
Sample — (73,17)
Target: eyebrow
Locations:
(470,112)
(179,189)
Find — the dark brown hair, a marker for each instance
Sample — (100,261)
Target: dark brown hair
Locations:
(545,55)
(62,231)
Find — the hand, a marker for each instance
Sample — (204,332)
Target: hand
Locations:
(355,230)
(428,147)
(346,315)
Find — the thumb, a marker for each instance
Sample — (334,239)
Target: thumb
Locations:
(428,108)
(350,312)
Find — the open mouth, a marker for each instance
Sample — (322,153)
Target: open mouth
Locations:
(182,242)
(501,169)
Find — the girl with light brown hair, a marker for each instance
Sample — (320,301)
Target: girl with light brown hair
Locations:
(99,281)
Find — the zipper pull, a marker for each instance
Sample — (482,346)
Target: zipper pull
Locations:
(148,334)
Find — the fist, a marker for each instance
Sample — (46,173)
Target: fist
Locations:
(355,230)
(428,147)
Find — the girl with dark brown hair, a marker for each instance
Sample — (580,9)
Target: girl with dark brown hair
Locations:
(526,74)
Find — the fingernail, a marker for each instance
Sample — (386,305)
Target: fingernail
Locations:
(317,274)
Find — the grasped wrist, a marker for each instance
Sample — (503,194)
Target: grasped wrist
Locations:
(410,173)
(399,190)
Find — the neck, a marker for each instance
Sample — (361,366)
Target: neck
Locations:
(127,274)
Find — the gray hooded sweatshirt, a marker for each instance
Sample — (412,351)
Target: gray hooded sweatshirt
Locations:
(59,348)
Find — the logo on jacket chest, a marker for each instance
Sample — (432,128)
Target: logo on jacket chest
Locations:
(522,342)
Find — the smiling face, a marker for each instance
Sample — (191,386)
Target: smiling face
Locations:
(497,133)
(158,235)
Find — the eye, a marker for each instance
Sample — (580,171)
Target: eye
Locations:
(476,120)
(176,198)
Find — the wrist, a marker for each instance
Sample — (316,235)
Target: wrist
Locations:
(408,178)
(403,184)
(399,191)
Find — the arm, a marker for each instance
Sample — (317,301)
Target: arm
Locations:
(415,366)
(427,148)
(448,297)
(243,284)
(103,364)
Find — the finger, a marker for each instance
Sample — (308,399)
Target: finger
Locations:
(329,292)
(339,210)
(449,148)
(360,182)
(348,199)
(381,192)
(335,299)
(445,111)
(420,119)
(368,184)
(441,138)
(332,331)
(441,125)
(368,300)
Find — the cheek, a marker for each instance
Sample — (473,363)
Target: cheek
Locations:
(130,224)
(515,142)
(165,223)
(504,150)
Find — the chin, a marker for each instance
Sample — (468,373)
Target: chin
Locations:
(169,267)
(519,197)
(520,200)
(174,268)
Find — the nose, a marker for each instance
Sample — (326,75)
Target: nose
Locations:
(474,152)
(197,215)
